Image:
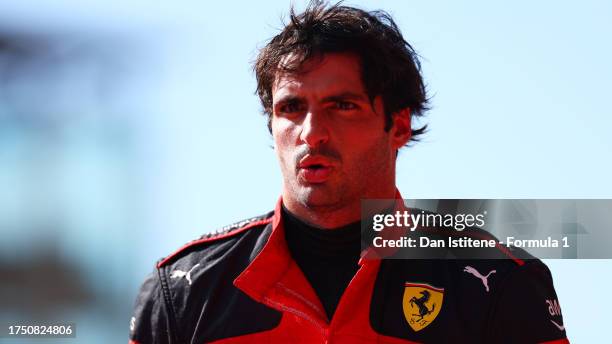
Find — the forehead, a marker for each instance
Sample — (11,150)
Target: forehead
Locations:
(331,73)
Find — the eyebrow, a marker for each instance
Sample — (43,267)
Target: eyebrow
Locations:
(344,96)
(332,98)
(289,99)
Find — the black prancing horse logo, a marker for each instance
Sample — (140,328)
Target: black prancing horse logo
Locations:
(421,302)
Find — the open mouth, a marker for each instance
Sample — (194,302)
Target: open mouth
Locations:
(315,167)
(315,173)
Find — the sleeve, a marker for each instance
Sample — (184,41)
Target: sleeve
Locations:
(150,322)
(527,310)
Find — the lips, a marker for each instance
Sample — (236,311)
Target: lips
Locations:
(314,169)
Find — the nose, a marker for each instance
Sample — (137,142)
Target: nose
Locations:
(314,129)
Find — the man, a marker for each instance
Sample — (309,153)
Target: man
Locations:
(340,87)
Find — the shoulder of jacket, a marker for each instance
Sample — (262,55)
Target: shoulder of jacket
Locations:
(210,239)
(504,254)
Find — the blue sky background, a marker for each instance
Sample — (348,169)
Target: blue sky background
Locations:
(165,141)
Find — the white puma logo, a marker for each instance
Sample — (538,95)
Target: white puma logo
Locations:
(484,279)
(181,273)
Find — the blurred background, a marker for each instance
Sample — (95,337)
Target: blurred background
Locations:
(128,128)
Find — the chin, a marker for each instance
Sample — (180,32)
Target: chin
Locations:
(317,196)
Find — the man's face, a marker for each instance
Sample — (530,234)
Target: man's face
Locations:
(330,139)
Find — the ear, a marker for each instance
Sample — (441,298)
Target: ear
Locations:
(401,132)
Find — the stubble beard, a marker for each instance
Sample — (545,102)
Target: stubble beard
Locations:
(350,186)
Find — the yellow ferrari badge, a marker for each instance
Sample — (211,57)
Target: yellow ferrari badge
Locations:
(422,304)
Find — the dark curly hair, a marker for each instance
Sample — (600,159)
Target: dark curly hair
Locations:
(389,65)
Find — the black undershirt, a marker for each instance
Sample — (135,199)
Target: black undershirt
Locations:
(327,257)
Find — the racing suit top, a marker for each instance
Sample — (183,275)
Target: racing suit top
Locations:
(240,285)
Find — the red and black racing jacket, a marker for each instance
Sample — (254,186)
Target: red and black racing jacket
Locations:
(241,285)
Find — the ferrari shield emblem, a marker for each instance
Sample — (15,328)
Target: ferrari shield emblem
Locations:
(422,304)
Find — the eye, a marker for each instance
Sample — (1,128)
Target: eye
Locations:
(344,105)
(291,107)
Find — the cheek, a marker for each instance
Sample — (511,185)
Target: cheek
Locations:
(364,136)
(281,133)
(368,147)
(277,134)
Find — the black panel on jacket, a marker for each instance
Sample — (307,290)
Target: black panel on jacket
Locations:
(172,307)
